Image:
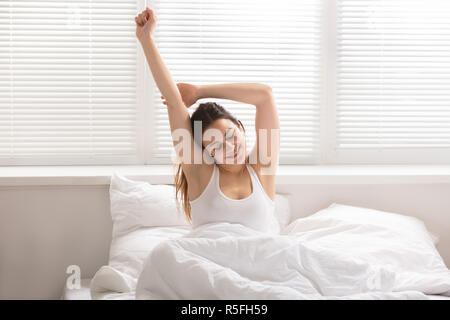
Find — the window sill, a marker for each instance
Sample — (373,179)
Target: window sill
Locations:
(287,174)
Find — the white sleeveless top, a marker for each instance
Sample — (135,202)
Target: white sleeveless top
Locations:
(257,211)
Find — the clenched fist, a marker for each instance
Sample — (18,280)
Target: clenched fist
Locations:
(145,23)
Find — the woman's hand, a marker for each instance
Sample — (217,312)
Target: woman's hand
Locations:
(145,23)
(189,93)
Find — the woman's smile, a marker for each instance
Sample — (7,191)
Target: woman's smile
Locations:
(235,154)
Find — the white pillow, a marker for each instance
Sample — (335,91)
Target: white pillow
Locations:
(136,204)
(392,241)
(406,225)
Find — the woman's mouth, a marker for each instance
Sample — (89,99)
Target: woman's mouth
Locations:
(233,156)
(237,152)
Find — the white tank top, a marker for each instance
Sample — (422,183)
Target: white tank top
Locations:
(256,211)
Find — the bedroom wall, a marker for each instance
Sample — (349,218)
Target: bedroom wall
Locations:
(44,229)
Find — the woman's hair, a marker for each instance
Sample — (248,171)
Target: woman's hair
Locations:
(207,113)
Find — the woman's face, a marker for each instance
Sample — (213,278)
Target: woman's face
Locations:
(225,142)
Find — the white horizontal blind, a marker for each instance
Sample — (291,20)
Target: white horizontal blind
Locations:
(67,82)
(393,79)
(272,42)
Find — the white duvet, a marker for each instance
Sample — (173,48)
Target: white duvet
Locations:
(341,252)
(230,261)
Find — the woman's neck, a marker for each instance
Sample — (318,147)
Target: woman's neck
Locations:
(233,169)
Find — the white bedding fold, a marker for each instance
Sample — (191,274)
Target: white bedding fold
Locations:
(231,261)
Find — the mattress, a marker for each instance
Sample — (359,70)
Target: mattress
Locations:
(84,294)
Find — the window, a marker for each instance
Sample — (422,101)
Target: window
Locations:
(392,82)
(355,81)
(68,82)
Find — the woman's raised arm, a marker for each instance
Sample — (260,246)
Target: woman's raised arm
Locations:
(179,119)
(246,92)
(145,23)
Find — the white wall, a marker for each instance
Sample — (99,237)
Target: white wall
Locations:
(44,229)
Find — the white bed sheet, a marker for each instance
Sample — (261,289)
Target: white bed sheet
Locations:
(84,294)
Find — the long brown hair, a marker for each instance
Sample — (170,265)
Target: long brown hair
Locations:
(207,113)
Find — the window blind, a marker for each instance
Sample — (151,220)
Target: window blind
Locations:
(67,82)
(393,78)
(276,43)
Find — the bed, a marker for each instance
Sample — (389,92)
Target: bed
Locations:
(340,252)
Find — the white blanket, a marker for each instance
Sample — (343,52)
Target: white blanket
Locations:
(338,261)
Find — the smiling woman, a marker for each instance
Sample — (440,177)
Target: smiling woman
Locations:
(222,136)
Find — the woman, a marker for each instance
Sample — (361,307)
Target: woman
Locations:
(234,187)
